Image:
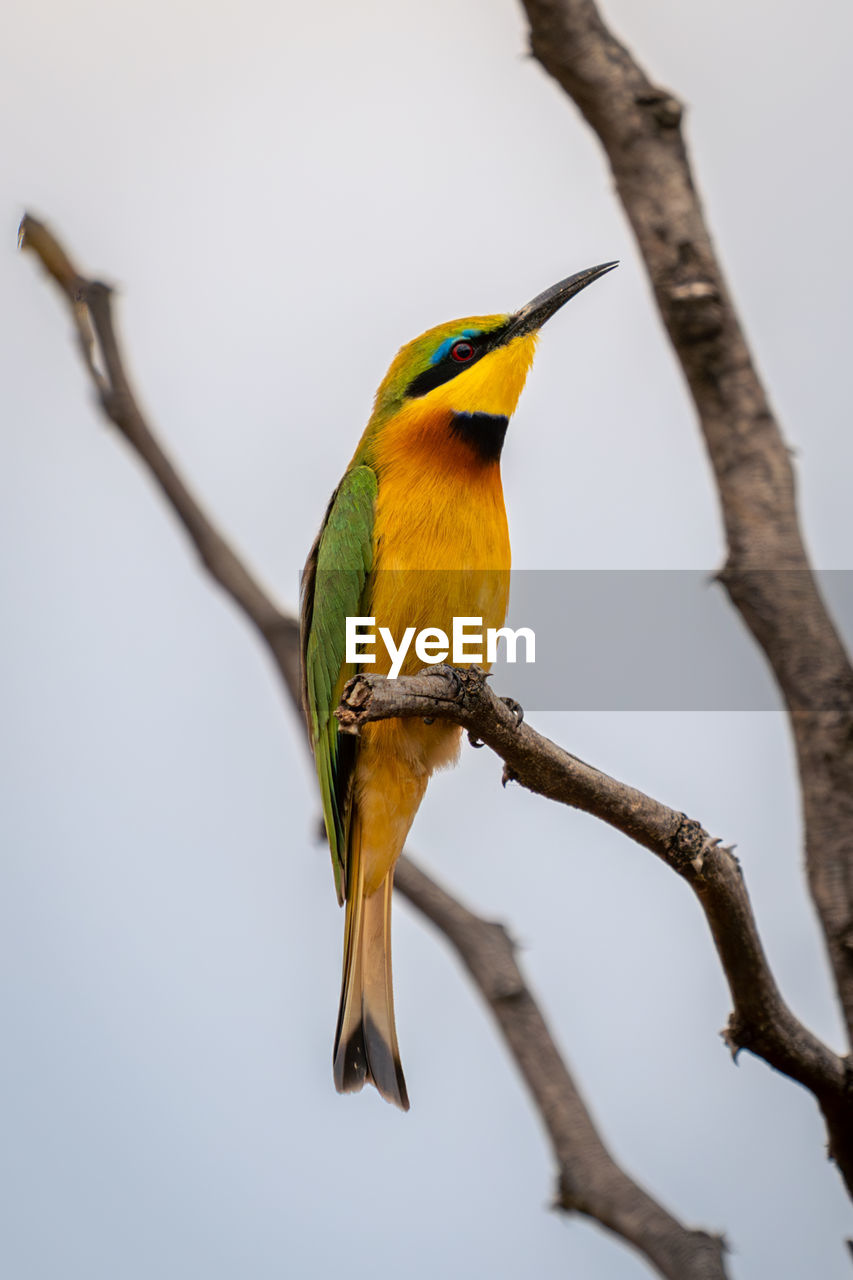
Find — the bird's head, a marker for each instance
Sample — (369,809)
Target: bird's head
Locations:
(477,365)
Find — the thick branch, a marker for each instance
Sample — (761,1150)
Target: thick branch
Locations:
(639,126)
(590,1182)
(761,1021)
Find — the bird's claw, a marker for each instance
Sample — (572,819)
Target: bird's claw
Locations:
(517,710)
(445,669)
(461,680)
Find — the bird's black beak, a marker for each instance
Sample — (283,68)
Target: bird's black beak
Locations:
(534,315)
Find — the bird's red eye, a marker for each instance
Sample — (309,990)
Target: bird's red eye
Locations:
(462,352)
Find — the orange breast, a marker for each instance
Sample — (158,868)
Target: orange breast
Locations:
(440,530)
(441,551)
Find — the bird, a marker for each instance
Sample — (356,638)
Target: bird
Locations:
(415,534)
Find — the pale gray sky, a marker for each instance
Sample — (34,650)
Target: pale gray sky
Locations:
(284,194)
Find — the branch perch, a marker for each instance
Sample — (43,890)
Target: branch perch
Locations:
(761,1021)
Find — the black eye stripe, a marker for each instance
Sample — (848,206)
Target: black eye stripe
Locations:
(437,374)
(448,367)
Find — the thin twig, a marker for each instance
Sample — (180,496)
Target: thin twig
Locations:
(91,308)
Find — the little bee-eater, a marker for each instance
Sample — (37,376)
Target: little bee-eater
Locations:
(415,535)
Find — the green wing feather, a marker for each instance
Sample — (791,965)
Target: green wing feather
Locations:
(334,588)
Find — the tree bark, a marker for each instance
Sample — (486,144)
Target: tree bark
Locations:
(767,572)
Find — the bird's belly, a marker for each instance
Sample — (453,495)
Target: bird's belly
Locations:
(442,552)
(430,600)
(397,757)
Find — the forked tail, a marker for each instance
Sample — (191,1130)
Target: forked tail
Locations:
(366,1038)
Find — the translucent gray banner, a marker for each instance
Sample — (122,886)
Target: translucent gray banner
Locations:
(652,640)
(605,640)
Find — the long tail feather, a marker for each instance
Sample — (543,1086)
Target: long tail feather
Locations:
(366,1039)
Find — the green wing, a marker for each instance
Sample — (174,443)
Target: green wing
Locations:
(333,587)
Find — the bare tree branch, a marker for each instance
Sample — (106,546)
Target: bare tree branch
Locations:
(91,308)
(761,1022)
(589,1180)
(639,125)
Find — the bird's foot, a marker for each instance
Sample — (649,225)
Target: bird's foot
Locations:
(517,710)
(462,679)
(449,673)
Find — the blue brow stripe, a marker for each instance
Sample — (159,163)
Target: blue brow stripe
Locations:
(445,346)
